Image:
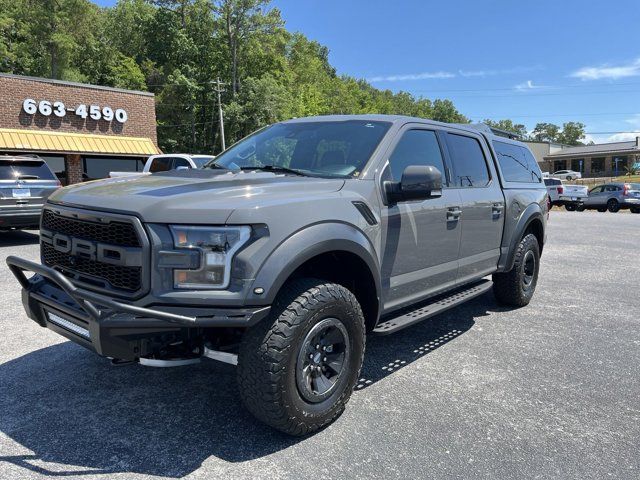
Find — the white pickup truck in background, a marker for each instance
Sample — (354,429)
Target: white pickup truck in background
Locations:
(162,163)
(571,196)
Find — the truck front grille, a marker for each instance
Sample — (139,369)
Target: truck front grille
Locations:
(74,243)
(119,277)
(113,233)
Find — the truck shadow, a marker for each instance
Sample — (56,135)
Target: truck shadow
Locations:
(78,415)
(18,237)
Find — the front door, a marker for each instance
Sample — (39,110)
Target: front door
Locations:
(482,203)
(421,238)
(597,197)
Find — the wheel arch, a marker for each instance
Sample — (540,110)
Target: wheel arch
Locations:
(334,252)
(531,221)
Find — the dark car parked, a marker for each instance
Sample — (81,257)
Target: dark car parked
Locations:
(25,184)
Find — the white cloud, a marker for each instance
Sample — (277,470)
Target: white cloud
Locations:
(623,137)
(445,74)
(608,71)
(528,85)
(412,76)
(503,71)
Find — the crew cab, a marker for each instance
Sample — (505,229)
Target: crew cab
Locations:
(165,162)
(280,256)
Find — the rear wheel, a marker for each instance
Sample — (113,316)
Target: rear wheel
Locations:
(580,208)
(613,205)
(297,369)
(570,207)
(516,287)
(569,177)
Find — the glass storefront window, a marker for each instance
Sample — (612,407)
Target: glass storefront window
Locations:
(597,165)
(577,165)
(57,166)
(99,167)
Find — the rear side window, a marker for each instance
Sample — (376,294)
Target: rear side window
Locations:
(25,170)
(517,164)
(469,164)
(161,164)
(181,162)
(416,147)
(597,189)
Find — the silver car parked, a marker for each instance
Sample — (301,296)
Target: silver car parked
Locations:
(613,197)
(25,184)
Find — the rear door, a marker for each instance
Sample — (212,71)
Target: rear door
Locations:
(482,202)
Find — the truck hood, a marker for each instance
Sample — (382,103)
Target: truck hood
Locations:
(193,196)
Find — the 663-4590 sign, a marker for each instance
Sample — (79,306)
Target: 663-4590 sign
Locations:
(58,109)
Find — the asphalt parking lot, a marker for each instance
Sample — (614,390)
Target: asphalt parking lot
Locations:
(548,391)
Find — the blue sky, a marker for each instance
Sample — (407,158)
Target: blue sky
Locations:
(543,61)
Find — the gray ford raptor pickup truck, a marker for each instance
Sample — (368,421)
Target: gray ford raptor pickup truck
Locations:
(280,255)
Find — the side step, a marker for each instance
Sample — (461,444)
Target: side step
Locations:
(437,305)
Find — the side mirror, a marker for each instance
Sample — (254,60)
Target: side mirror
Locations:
(419,182)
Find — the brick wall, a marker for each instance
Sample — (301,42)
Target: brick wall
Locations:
(14,90)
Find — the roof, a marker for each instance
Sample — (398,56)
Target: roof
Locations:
(38,141)
(375,117)
(605,148)
(74,84)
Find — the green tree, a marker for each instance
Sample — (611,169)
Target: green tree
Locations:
(546,132)
(508,125)
(241,19)
(572,133)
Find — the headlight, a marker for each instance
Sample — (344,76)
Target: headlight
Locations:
(217,245)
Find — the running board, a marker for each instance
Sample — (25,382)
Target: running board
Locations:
(437,305)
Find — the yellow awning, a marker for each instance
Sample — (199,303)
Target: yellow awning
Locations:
(39,141)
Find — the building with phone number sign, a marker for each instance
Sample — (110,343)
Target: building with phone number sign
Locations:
(82,131)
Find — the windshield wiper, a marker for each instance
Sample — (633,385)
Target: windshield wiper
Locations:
(277,169)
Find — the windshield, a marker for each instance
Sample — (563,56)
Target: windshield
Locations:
(332,148)
(202,160)
(25,170)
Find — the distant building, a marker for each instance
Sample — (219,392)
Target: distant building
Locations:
(81,131)
(602,160)
(541,150)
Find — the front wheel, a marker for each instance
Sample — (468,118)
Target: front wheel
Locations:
(635,209)
(570,207)
(613,205)
(569,177)
(297,369)
(580,208)
(516,287)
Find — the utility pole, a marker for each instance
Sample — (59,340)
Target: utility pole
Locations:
(219,90)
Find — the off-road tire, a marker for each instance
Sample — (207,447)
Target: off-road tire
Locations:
(510,287)
(613,205)
(269,352)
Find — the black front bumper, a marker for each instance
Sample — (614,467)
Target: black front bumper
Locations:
(106,326)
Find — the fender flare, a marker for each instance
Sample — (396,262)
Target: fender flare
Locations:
(531,213)
(303,246)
